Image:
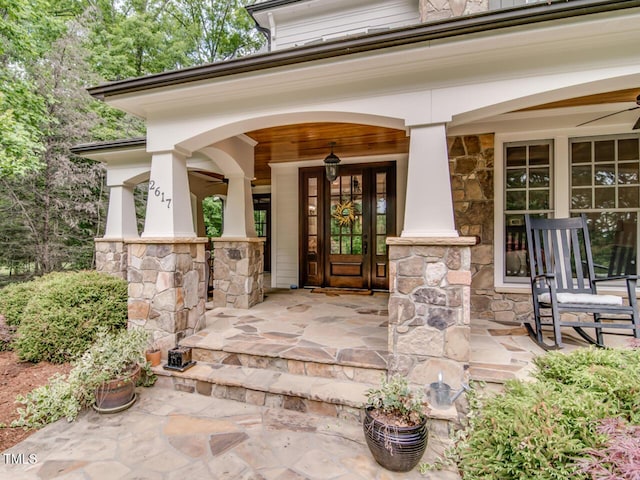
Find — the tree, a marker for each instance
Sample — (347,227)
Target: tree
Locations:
(216,29)
(20,109)
(57,206)
(51,203)
(213,208)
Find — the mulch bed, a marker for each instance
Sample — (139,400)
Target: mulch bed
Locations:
(19,378)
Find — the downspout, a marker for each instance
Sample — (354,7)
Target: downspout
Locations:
(265,31)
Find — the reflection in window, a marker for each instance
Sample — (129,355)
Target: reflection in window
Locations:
(345,220)
(610,197)
(528,184)
(381,214)
(312,216)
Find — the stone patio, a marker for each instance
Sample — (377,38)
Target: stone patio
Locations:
(170,435)
(333,328)
(301,350)
(336,329)
(305,326)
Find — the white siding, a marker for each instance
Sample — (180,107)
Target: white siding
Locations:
(349,18)
(284,204)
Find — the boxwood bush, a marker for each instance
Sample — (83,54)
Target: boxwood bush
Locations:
(544,428)
(63,313)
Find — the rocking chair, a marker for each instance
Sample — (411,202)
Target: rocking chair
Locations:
(563,281)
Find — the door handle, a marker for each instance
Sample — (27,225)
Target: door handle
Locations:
(365,247)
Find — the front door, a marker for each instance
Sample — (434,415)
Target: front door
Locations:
(345,225)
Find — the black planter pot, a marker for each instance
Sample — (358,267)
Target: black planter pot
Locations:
(395,448)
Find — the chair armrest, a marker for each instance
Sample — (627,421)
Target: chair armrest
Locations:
(544,275)
(630,280)
(617,277)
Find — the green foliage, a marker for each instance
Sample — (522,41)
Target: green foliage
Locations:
(396,398)
(14,299)
(612,376)
(63,317)
(213,216)
(109,357)
(538,429)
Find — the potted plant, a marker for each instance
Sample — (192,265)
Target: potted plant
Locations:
(395,425)
(112,368)
(114,362)
(153,354)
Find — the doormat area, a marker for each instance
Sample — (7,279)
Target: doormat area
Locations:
(341,291)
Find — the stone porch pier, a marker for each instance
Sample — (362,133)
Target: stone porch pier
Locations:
(238,272)
(429,317)
(167,287)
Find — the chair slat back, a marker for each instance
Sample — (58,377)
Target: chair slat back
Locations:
(623,252)
(561,246)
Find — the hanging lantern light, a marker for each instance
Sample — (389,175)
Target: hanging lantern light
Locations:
(331,164)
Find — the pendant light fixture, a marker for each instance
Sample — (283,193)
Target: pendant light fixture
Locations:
(331,164)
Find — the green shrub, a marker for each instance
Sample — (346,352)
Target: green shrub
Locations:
(108,358)
(62,318)
(14,299)
(540,429)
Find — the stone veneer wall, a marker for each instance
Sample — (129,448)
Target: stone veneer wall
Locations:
(238,272)
(429,319)
(431,10)
(111,257)
(471,166)
(167,287)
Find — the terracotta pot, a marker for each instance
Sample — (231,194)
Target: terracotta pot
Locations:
(395,448)
(153,357)
(118,394)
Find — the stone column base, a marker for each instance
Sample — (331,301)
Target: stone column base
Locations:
(238,266)
(167,287)
(111,257)
(429,309)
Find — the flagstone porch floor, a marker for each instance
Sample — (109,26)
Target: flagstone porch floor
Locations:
(351,329)
(304,326)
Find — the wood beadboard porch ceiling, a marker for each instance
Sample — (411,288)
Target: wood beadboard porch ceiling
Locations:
(310,141)
(618,96)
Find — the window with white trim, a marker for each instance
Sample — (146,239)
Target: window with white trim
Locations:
(601,178)
(528,188)
(605,185)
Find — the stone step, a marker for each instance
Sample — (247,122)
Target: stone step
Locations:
(258,386)
(498,374)
(359,365)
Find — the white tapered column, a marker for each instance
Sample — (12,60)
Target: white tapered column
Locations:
(121,216)
(429,205)
(169,200)
(238,209)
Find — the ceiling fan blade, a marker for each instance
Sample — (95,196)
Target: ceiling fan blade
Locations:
(608,115)
(637,125)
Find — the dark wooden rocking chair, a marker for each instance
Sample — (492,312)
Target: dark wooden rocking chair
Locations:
(563,281)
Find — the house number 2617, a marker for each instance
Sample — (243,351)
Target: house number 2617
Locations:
(157,192)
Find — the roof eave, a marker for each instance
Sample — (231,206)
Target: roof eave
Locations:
(111,145)
(415,34)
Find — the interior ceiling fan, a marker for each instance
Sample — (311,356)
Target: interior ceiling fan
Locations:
(636,126)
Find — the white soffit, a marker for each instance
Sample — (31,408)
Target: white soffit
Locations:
(601,40)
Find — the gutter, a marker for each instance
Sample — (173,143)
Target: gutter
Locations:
(268,5)
(513,17)
(109,145)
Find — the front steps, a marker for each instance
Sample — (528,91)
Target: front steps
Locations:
(299,379)
(261,374)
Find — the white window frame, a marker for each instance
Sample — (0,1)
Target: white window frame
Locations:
(560,190)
